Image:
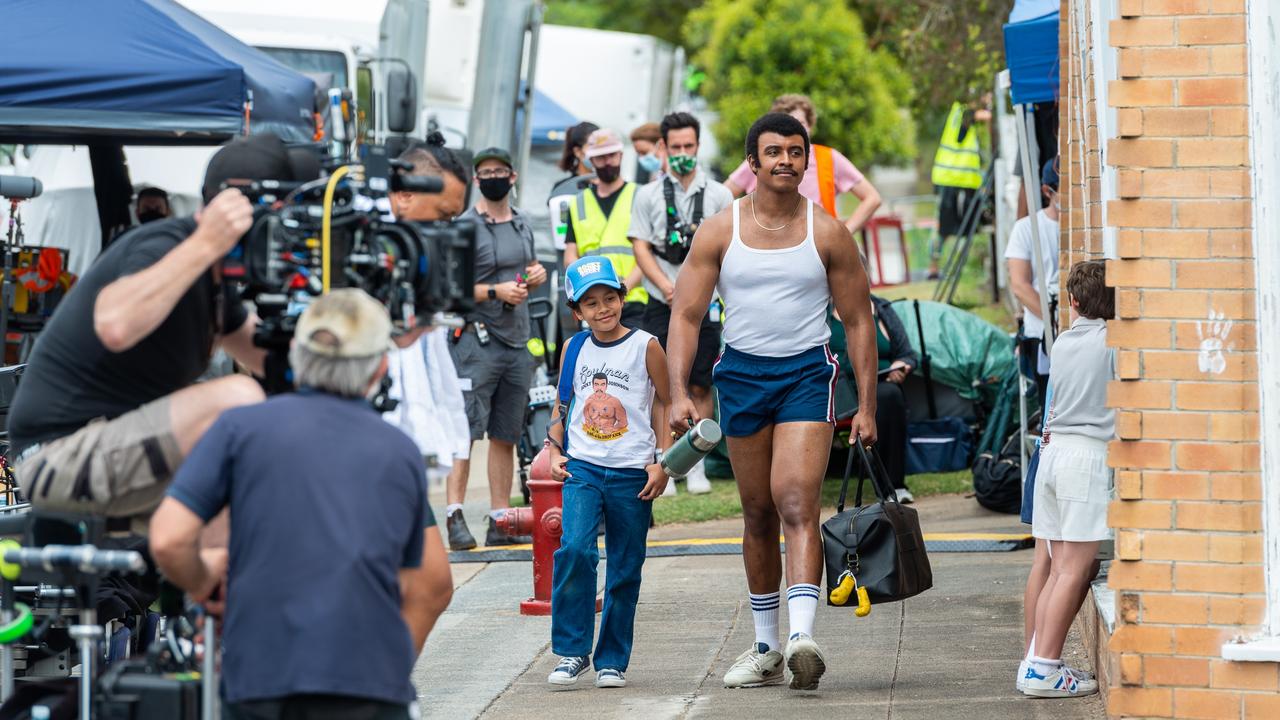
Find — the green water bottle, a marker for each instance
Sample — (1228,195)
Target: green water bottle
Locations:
(694,445)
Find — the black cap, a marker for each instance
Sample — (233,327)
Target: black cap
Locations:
(259,157)
(493,153)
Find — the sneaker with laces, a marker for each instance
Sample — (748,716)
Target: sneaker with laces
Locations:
(696,481)
(805,661)
(1062,682)
(756,667)
(1023,666)
(569,670)
(610,678)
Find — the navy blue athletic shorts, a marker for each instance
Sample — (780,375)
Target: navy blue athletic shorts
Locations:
(755,391)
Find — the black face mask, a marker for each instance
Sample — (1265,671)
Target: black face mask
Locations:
(608,173)
(149,215)
(494,189)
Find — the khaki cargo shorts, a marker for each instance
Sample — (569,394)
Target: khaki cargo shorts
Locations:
(111,468)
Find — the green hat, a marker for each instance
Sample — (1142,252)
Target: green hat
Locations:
(493,153)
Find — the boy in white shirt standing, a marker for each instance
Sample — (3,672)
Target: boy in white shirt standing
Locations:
(1073,483)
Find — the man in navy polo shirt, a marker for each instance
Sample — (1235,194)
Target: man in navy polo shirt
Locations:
(336,570)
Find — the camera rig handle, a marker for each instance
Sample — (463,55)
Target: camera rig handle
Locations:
(83,558)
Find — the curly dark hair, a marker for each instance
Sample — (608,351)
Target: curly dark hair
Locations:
(779,123)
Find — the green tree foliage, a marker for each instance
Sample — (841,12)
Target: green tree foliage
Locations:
(954,47)
(754,50)
(660,18)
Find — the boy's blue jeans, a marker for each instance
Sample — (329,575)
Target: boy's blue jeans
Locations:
(590,493)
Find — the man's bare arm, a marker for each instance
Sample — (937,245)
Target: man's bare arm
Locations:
(852,295)
(868,203)
(239,345)
(648,264)
(131,308)
(694,287)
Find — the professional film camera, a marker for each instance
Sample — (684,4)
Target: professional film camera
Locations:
(308,238)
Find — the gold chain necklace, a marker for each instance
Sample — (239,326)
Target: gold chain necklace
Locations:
(780,227)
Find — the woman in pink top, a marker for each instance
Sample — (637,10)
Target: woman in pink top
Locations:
(844,175)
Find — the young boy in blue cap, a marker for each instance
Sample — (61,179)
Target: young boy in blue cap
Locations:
(604,448)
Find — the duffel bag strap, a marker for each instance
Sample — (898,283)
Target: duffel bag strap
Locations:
(880,483)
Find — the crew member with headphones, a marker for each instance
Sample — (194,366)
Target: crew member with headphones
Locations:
(663,221)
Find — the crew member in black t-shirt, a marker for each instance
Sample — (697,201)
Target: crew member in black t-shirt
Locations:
(106,409)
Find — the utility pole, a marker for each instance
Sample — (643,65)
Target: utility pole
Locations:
(497,88)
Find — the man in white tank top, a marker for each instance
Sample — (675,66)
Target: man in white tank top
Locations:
(776,264)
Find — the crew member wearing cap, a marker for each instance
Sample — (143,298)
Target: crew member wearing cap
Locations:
(490,353)
(336,571)
(106,410)
(599,218)
(1025,278)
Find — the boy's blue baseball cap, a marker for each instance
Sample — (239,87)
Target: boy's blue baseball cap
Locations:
(587,272)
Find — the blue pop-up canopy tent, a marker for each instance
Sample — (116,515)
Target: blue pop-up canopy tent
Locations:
(1031,50)
(142,72)
(550,120)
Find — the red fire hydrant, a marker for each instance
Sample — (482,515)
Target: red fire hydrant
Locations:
(544,522)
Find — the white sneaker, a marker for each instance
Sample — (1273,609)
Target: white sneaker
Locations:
(670,491)
(698,484)
(569,670)
(610,678)
(755,668)
(1081,675)
(805,661)
(1061,683)
(904,496)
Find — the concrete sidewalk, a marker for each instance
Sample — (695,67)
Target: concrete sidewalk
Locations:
(952,651)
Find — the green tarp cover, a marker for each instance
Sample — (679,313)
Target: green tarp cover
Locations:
(967,352)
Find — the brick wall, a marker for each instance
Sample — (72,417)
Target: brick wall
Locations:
(1188,573)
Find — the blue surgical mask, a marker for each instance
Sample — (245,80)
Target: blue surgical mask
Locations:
(649,163)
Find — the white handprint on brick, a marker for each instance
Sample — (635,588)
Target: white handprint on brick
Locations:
(1214,343)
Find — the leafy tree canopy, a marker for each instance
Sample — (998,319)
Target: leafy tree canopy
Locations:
(755,50)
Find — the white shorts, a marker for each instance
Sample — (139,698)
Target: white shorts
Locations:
(1073,490)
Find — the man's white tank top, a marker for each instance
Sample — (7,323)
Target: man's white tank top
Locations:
(775,300)
(610,412)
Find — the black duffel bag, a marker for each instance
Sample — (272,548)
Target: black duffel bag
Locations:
(879,543)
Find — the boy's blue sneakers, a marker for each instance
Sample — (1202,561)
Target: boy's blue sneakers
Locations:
(610,678)
(569,670)
(1061,683)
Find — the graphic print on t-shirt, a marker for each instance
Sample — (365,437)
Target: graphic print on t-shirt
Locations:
(603,416)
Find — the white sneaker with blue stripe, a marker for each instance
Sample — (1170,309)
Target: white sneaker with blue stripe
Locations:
(569,670)
(1060,683)
(1021,681)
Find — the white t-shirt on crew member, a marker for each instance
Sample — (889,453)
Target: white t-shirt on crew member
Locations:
(1020,248)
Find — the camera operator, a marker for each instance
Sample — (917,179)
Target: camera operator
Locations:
(332,589)
(491,352)
(106,410)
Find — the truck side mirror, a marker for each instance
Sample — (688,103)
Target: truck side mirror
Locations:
(402,100)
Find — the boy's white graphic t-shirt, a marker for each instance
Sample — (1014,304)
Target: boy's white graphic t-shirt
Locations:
(612,402)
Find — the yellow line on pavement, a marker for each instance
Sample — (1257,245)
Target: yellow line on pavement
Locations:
(936,537)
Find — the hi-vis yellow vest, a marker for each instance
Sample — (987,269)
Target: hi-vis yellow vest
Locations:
(957,163)
(596,234)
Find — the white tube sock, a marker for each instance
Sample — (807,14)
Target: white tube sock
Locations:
(802,605)
(764,611)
